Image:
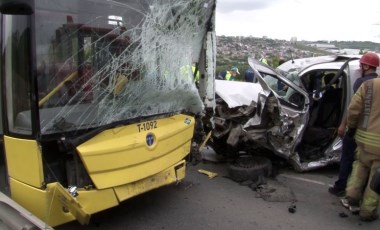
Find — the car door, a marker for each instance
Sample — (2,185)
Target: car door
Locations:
(329,85)
(282,108)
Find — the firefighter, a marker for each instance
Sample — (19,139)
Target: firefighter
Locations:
(348,143)
(363,120)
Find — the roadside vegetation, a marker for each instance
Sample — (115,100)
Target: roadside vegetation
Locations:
(234,51)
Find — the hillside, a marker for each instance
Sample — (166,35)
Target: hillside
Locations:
(234,51)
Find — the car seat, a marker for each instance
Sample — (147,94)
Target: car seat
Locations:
(329,111)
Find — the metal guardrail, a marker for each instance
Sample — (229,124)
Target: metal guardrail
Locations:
(15,217)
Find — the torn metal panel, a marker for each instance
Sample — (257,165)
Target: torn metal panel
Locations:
(233,137)
(209,80)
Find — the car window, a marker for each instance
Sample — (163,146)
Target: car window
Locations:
(286,94)
(318,80)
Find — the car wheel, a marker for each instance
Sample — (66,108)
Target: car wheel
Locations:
(249,168)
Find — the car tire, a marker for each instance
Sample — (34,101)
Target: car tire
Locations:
(250,168)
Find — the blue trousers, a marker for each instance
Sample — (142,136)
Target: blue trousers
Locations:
(346,161)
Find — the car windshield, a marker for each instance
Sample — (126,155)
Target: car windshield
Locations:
(101,62)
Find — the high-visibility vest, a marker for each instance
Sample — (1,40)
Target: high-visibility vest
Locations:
(264,60)
(229,77)
(197,75)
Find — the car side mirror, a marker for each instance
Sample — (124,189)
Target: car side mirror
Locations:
(375,182)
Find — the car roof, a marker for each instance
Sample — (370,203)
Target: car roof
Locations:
(353,68)
(326,66)
(302,63)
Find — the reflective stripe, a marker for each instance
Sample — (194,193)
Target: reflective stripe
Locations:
(367,103)
(368,138)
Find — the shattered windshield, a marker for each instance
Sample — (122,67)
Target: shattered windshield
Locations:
(100,62)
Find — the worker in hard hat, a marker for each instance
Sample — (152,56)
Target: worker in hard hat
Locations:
(229,75)
(369,62)
(363,123)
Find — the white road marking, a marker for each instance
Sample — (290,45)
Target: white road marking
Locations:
(304,179)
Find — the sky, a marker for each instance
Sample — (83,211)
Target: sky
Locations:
(311,20)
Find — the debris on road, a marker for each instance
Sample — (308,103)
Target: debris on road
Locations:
(292,208)
(275,191)
(208,173)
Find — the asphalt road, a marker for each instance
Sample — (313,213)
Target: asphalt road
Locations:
(220,203)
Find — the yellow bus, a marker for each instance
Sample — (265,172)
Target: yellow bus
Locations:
(95,105)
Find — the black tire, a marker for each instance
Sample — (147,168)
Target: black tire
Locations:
(250,168)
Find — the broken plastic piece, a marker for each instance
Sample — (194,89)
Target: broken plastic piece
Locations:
(205,141)
(343,215)
(208,173)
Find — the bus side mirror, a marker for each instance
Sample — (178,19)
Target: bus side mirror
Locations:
(375,182)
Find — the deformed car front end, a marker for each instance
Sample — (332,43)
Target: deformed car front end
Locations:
(295,116)
(251,115)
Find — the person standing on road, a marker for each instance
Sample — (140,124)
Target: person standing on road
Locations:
(249,75)
(229,75)
(369,61)
(363,120)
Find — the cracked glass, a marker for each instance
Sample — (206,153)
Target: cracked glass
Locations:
(104,62)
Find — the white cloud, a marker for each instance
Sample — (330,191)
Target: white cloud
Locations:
(304,19)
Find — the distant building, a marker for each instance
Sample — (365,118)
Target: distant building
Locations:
(351,51)
(323,46)
(293,40)
(327,47)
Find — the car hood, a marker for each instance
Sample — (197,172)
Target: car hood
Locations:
(236,93)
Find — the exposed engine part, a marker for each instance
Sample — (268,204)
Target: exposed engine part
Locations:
(73,190)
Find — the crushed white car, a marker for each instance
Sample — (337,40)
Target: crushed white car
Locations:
(294,111)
